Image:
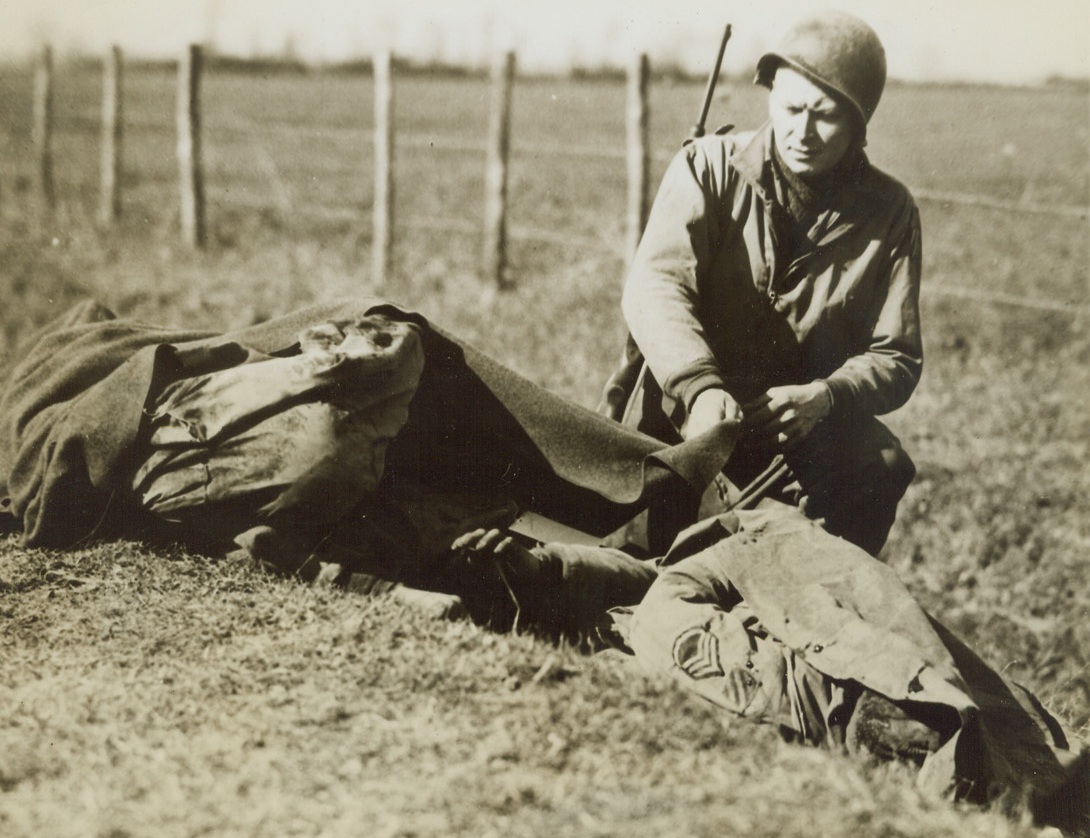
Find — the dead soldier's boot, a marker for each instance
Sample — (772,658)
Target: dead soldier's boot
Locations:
(897,730)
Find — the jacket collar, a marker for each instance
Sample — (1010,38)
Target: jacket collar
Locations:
(850,207)
(753,161)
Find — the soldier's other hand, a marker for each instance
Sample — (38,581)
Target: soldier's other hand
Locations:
(710,408)
(786,415)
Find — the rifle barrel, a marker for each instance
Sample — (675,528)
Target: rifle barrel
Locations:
(709,91)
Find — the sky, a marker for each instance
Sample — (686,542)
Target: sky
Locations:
(998,41)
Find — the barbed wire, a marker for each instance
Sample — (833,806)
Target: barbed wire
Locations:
(472,146)
(999,298)
(283,199)
(600,245)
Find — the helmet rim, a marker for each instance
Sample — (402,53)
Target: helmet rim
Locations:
(836,51)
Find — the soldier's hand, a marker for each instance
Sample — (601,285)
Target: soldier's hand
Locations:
(709,409)
(482,548)
(786,415)
(480,543)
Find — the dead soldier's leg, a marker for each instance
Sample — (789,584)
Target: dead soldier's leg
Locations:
(694,627)
(561,589)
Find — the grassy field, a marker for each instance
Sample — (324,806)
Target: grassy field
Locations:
(143,693)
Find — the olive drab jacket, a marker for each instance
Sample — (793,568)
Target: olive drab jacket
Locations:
(711,302)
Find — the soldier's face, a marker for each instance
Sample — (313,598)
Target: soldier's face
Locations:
(812,129)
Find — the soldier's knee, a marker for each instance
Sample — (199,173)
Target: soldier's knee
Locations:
(900,469)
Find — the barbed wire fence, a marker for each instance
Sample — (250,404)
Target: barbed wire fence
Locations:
(495,149)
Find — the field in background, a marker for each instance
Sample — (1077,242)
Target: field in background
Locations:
(141,696)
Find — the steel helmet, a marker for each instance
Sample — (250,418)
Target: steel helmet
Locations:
(838,52)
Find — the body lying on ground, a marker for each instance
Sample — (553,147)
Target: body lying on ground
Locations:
(770,617)
(358,436)
(353,429)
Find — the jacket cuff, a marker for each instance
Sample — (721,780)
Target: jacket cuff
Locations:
(841,393)
(693,386)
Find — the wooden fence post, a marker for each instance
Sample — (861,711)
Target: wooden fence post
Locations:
(383,217)
(639,155)
(499,143)
(43,126)
(190,169)
(109,204)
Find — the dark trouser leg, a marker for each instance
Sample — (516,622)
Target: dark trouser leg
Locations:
(853,479)
(849,477)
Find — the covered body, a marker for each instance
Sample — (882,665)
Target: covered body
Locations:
(356,417)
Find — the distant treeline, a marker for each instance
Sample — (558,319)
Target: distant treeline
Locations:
(280,65)
(274,65)
(1068,83)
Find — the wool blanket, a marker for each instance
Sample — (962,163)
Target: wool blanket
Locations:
(75,410)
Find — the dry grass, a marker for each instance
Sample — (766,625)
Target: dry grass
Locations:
(150,693)
(167,695)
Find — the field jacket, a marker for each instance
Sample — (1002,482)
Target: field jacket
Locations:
(734,585)
(710,302)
